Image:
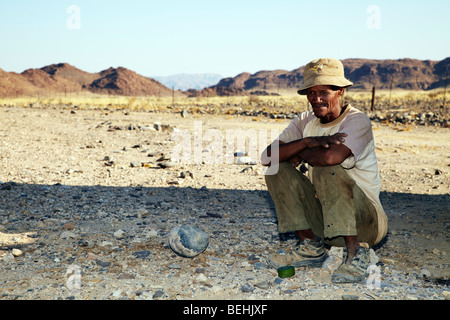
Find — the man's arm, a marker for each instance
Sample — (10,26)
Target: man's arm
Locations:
(314,150)
(321,157)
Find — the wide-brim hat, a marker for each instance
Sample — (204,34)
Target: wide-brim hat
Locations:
(321,72)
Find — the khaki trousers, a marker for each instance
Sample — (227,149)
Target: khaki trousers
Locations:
(332,208)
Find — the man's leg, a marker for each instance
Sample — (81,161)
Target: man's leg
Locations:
(349,217)
(347,212)
(295,200)
(298,210)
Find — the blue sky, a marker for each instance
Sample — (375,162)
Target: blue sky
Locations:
(161,38)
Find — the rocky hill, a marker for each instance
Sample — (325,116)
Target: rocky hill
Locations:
(410,74)
(121,81)
(64,78)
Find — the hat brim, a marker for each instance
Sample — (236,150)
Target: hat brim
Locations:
(324,81)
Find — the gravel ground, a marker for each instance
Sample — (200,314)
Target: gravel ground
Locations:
(86,206)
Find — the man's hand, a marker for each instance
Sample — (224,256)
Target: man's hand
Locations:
(319,151)
(325,141)
(295,161)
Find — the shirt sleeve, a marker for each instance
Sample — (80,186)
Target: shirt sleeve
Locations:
(294,130)
(358,128)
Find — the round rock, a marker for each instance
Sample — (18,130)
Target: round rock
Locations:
(188,241)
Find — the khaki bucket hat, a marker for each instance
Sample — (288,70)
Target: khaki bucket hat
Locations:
(322,72)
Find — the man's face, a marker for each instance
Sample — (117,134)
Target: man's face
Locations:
(325,102)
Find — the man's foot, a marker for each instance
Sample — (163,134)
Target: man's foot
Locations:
(307,254)
(354,271)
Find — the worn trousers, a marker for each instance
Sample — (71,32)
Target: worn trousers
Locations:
(334,207)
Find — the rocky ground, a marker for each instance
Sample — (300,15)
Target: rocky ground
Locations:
(88,198)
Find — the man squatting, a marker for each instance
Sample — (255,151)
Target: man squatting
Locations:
(338,203)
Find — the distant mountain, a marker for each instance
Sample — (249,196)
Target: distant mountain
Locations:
(63,77)
(185,81)
(364,73)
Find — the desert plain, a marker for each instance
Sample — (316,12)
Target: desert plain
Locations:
(87,200)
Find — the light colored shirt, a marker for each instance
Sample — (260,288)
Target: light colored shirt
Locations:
(361,165)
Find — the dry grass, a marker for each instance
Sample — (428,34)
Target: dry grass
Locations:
(385,100)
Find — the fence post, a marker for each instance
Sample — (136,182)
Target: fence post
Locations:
(372,106)
(445,89)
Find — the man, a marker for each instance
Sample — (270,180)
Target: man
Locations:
(339,203)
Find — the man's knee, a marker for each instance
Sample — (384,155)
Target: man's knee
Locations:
(333,179)
(283,172)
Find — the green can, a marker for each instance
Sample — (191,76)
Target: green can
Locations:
(286,271)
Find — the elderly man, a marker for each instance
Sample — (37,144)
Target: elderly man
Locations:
(338,203)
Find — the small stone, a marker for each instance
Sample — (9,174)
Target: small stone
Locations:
(446,295)
(241,154)
(166,164)
(69,225)
(154,153)
(119,234)
(8,257)
(259,266)
(16,252)
(425,273)
(185,174)
(184,113)
(278,280)
(201,277)
(159,294)
(135,164)
(263,285)
(104,263)
(106,243)
(350,297)
(117,293)
(151,234)
(142,212)
(248,169)
(336,251)
(247,288)
(141,254)
(200,270)
(67,235)
(245,160)
(174,266)
(332,263)
(126,276)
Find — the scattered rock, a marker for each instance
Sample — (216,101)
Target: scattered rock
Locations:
(185,174)
(135,164)
(188,241)
(141,254)
(425,273)
(159,294)
(16,252)
(69,225)
(247,288)
(68,235)
(245,160)
(263,285)
(166,164)
(332,263)
(119,234)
